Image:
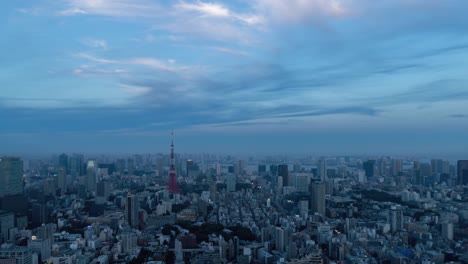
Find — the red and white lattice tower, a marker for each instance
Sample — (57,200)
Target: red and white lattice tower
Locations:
(172,185)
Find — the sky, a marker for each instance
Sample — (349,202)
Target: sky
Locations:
(319,77)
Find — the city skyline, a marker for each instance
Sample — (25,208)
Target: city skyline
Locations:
(309,77)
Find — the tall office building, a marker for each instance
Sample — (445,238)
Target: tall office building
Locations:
(369,168)
(231,182)
(382,167)
(75,165)
(462,172)
(11,176)
(395,219)
(91,170)
(397,167)
(218,169)
(280,239)
(322,169)
(63,161)
(283,172)
(62,180)
(261,169)
(274,170)
(7,221)
(131,210)
(317,198)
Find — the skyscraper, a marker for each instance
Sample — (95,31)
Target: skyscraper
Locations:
(131,210)
(322,169)
(369,168)
(462,172)
(317,198)
(63,161)
(231,182)
(283,172)
(62,180)
(11,176)
(397,167)
(91,170)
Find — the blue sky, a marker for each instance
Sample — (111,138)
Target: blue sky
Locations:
(260,76)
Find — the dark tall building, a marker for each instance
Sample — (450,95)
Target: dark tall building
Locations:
(131,210)
(11,176)
(261,169)
(283,172)
(369,167)
(63,162)
(462,172)
(317,198)
(274,170)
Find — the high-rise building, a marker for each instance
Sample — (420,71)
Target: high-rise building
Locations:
(280,239)
(283,172)
(75,167)
(317,198)
(395,219)
(11,176)
(62,180)
(261,169)
(322,169)
(382,167)
(301,182)
(131,210)
(231,182)
(63,161)
(397,167)
(274,170)
(369,168)
(462,172)
(297,167)
(218,169)
(22,255)
(91,170)
(7,221)
(42,247)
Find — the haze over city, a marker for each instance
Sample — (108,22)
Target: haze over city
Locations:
(264,76)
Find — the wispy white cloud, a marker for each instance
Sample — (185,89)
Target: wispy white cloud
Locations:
(169,65)
(110,8)
(291,11)
(95,43)
(230,51)
(210,9)
(94,59)
(93,71)
(135,90)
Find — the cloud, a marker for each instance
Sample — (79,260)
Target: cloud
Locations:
(208,9)
(94,71)
(95,43)
(294,11)
(155,64)
(110,8)
(230,51)
(218,10)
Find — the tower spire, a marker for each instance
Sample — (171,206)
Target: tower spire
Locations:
(172,185)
